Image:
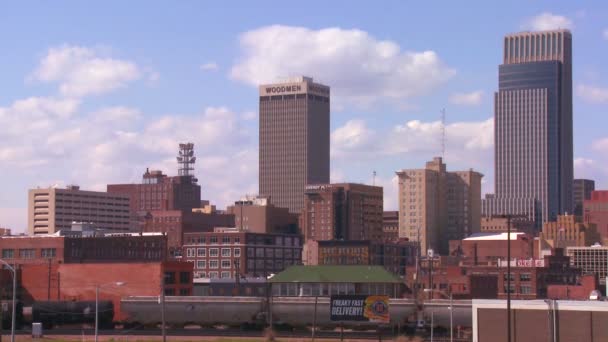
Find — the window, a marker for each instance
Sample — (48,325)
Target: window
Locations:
(225,239)
(213,275)
(225,275)
(525,277)
(237,240)
(48,252)
(201,252)
(213,240)
(525,289)
(225,263)
(225,252)
(213,252)
(213,264)
(8,253)
(201,264)
(184,277)
(27,253)
(169,292)
(190,252)
(184,292)
(237,252)
(169,278)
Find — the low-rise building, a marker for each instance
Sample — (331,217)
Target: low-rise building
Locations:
(591,260)
(497,224)
(310,281)
(595,210)
(393,256)
(569,231)
(230,253)
(488,248)
(258,215)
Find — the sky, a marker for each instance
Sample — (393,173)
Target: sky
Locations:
(93,93)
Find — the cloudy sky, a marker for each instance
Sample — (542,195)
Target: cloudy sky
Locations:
(92,94)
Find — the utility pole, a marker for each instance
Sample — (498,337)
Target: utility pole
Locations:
(162,302)
(508,278)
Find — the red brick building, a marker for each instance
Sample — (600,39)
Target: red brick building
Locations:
(258,215)
(157,191)
(177,222)
(390,225)
(228,254)
(596,211)
(488,248)
(342,211)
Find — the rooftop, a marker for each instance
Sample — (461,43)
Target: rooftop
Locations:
(335,274)
(492,236)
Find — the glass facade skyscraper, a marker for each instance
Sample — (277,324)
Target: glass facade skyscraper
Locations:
(533,127)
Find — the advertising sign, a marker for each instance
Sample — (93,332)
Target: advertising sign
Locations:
(360,308)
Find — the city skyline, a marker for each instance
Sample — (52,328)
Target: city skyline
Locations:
(65,125)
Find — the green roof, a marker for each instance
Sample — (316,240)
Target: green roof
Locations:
(335,274)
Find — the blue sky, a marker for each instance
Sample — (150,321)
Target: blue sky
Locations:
(93,93)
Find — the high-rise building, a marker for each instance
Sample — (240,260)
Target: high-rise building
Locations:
(343,212)
(54,209)
(533,127)
(581,190)
(596,211)
(436,206)
(294,140)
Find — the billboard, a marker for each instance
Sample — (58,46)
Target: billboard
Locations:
(359,308)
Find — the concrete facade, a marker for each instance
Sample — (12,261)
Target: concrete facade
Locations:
(591,260)
(294,140)
(346,211)
(569,230)
(436,206)
(258,215)
(54,209)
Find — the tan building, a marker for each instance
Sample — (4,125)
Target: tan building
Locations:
(344,211)
(436,206)
(54,209)
(390,225)
(496,224)
(258,215)
(569,231)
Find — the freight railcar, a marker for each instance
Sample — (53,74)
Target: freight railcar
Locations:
(64,313)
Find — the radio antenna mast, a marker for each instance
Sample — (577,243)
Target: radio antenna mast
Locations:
(443,133)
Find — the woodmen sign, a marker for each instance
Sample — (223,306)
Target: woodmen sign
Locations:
(359,308)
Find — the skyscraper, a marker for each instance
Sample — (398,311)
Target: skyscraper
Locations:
(581,190)
(294,140)
(533,127)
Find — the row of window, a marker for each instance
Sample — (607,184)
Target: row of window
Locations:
(215,274)
(213,252)
(29,253)
(225,263)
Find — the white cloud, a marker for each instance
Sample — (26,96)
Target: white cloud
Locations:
(605,34)
(548,21)
(210,66)
(117,114)
(600,145)
(250,115)
(360,68)
(467,99)
(81,71)
(592,94)
(350,137)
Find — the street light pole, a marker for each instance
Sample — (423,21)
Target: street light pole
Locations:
(14,297)
(430,291)
(97,287)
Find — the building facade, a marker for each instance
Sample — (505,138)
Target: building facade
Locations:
(497,224)
(294,140)
(596,211)
(344,211)
(158,192)
(258,215)
(54,209)
(581,192)
(390,225)
(234,254)
(436,206)
(489,248)
(569,231)
(533,127)
(591,260)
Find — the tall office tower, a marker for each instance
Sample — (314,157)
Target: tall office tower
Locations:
(533,127)
(54,209)
(294,140)
(581,191)
(436,206)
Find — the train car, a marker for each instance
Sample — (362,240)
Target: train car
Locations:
(62,313)
(194,310)
(7,312)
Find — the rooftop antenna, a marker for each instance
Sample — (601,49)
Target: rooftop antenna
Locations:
(186,160)
(374,178)
(443,133)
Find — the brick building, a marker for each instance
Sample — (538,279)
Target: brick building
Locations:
(436,206)
(231,253)
(258,215)
(595,210)
(54,209)
(393,256)
(177,222)
(591,260)
(488,248)
(390,225)
(157,191)
(344,211)
(581,192)
(496,224)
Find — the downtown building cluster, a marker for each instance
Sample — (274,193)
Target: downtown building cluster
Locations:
(443,236)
